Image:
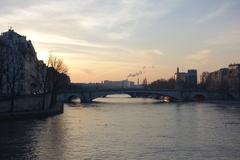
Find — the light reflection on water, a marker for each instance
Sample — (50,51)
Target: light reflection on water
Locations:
(125,99)
(132,129)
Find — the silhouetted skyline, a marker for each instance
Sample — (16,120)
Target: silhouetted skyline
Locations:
(111,39)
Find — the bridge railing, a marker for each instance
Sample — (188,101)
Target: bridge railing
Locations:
(103,89)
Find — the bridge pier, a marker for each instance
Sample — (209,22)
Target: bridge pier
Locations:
(133,95)
(86,100)
(86,97)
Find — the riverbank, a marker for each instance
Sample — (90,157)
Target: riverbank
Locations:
(56,109)
(29,106)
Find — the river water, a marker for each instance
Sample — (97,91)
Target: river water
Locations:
(124,128)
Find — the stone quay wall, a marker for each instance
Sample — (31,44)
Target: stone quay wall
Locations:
(29,106)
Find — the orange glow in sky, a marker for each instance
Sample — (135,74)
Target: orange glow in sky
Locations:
(109,40)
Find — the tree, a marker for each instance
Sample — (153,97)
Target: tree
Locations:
(43,78)
(57,76)
(172,83)
(163,84)
(57,64)
(1,70)
(13,75)
(2,67)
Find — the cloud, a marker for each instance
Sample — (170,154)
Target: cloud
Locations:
(150,56)
(80,51)
(200,59)
(222,9)
(153,52)
(61,40)
(122,32)
(87,71)
(7,6)
(199,56)
(228,38)
(116,19)
(119,36)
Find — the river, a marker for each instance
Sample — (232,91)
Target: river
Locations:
(125,128)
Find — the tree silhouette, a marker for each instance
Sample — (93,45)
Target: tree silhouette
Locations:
(1,70)
(43,78)
(56,75)
(12,74)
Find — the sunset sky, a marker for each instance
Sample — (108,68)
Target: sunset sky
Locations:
(108,39)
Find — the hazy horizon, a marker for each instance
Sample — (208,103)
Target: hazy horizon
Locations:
(107,39)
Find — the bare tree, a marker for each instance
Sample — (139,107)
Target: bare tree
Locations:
(163,84)
(57,64)
(1,71)
(44,75)
(42,80)
(52,78)
(13,71)
(2,68)
(56,74)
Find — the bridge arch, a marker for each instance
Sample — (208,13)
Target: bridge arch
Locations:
(106,94)
(114,94)
(132,94)
(199,97)
(72,97)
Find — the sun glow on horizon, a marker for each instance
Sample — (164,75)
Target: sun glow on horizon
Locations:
(113,39)
(43,55)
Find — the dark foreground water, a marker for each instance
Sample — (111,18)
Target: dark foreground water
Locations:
(133,129)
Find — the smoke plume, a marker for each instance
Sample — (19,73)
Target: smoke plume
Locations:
(139,73)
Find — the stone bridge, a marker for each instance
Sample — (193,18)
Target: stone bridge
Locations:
(88,95)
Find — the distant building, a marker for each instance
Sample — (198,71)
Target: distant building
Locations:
(224,79)
(118,84)
(184,79)
(234,78)
(191,78)
(145,82)
(180,77)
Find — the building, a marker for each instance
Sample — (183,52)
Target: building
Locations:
(191,78)
(19,64)
(118,84)
(180,77)
(224,79)
(21,72)
(234,78)
(216,80)
(145,82)
(184,79)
